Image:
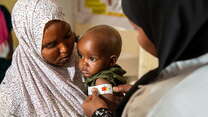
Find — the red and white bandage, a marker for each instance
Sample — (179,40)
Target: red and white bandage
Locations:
(102,89)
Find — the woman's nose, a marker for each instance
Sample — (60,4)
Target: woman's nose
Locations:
(63,48)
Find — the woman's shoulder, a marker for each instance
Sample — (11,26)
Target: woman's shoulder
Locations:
(190,91)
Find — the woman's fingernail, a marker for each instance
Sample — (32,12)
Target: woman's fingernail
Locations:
(115,88)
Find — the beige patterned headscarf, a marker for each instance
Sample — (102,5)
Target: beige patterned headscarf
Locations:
(32,87)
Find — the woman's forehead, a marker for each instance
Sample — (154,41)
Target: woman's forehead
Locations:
(57,21)
(56,30)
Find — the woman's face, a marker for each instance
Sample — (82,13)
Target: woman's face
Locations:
(58,43)
(144,42)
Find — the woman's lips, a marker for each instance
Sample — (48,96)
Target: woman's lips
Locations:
(64,59)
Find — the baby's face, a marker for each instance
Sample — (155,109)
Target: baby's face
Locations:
(91,58)
(58,42)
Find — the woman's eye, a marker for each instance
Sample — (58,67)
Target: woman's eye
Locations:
(93,59)
(76,38)
(70,35)
(67,37)
(51,45)
(80,56)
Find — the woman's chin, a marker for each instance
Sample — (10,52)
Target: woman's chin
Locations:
(62,64)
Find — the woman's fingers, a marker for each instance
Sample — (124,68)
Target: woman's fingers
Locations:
(122,88)
(92,103)
(94,94)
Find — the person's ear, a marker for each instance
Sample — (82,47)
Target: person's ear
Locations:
(113,60)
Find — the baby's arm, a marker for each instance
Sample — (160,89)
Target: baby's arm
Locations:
(109,98)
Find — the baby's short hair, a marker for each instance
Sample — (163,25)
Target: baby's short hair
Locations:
(114,43)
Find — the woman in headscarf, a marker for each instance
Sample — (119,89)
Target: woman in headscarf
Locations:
(177,32)
(6,46)
(43,80)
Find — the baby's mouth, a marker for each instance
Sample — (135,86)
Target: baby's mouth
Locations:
(85,73)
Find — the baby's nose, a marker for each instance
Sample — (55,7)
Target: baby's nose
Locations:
(84,64)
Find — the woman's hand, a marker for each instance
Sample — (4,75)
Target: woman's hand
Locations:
(120,92)
(122,88)
(92,103)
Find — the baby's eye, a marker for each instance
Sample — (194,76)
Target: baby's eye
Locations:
(93,59)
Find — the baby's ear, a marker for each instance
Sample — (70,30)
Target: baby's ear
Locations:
(113,60)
